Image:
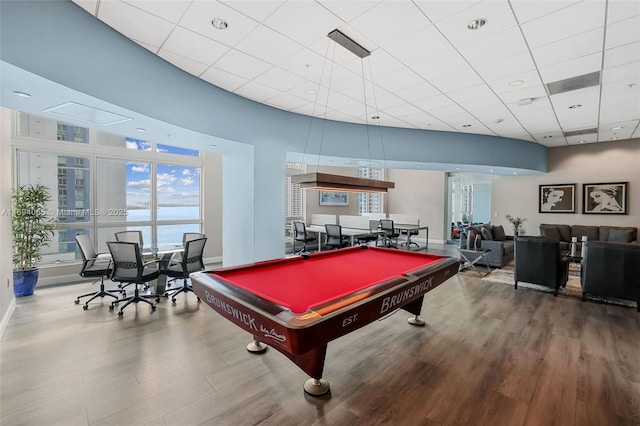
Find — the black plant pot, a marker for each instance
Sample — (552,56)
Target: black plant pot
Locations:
(24,282)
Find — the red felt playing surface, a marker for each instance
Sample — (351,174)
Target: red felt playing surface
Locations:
(300,284)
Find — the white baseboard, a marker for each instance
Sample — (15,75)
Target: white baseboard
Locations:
(7,316)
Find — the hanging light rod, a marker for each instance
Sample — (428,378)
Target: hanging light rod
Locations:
(331,182)
(346,42)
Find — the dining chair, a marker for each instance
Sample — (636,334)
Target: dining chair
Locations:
(390,235)
(302,236)
(334,236)
(94,265)
(128,267)
(190,262)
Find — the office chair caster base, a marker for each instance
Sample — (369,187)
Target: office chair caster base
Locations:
(85,307)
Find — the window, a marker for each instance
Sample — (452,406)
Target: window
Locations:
(370,202)
(100,192)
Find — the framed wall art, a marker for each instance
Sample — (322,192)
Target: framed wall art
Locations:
(334,198)
(559,198)
(605,198)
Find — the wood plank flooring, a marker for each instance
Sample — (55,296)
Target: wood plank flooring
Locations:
(489,355)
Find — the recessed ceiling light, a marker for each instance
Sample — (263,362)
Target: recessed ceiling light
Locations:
(617,128)
(466,125)
(499,120)
(22,94)
(477,24)
(576,106)
(219,23)
(140,129)
(491,170)
(418,166)
(515,173)
(525,101)
(457,168)
(375,117)
(516,83)
(310,92)
(582,141)
(212,146)
(547,137)
(614,138)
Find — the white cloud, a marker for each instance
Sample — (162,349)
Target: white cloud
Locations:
(141,184)
(186,181)
(186,172)
(140,168)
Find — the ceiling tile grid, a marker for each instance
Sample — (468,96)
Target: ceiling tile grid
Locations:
(429,69)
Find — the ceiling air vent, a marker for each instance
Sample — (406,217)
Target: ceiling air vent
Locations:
(581,132)
(88,114)
(574,83)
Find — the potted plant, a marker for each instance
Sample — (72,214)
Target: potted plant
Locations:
(32,229)
(516,222)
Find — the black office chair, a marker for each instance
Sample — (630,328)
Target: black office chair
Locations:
(410,233)
(365,239)
(302,236)
(94,265)
(334,236)
(130,237)
(191,262)
(390,236)
(177,257)
(128,267)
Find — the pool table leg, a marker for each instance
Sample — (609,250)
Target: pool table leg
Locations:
(316,387)
(256,347)
(414,308)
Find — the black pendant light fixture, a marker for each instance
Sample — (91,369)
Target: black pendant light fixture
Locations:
(332,182)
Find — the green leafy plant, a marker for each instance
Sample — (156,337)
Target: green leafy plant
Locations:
(31,225)
(516,222)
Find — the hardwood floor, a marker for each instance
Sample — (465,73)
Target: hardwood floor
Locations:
(489,355)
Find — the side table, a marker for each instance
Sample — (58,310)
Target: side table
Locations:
(480,254)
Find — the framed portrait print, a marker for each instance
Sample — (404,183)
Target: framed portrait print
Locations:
(334,198)
(559,198)
(605,198)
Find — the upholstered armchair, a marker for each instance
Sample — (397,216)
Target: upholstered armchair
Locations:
(539,260)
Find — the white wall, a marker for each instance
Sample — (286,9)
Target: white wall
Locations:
(7,300)
(422,193)
(580,164)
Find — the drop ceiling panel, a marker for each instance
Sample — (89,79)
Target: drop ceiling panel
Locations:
(135,23)
(257,92)
(286,20)
(375,22)
(286,101)
(242,64)
(571,68)
(577,118)
(420,46)
(189,65)
(473,93)
(622,32)
(194,46)
(279,79)
(398,80)
(622,55)
(574,47)
(433,102)
(526,11)
(200,14)
(621,10)
(457,81)
(622,72)
(527,79)
(168,10)
(498,46)
(420,91)
(502,68)
(223,79)
(582,139)
(88,5)
(497,14)
(563,23)
(260,42)
(348,10)
(257,10)
(443,65)
(377,64)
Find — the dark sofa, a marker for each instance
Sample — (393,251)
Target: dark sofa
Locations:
(564,233)
(610,269)
(494,238)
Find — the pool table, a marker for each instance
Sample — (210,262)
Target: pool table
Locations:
(297,305)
